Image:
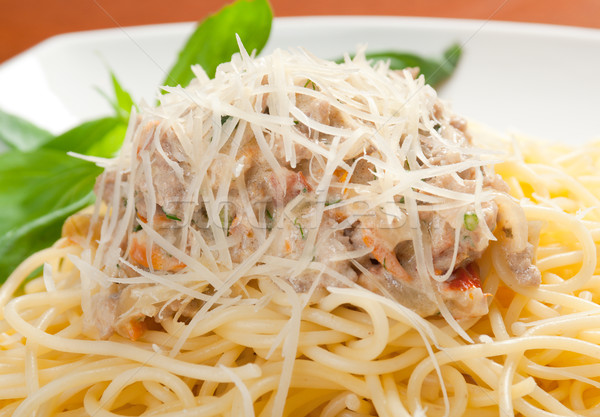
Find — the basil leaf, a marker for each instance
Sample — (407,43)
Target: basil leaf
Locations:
(124,100)
(101,137)
(41,186)
(110,144)
(36,183)
(38,191)
(121,102)
(21,242)
(214,40)
(18,133)
(435,71)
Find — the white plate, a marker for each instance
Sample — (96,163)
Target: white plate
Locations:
(540,80)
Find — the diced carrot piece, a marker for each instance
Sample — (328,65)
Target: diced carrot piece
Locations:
(384,255)
(137,253)
(142,218)
(135,328)
(341,173)
(160,262)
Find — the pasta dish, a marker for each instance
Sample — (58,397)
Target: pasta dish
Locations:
(298,237)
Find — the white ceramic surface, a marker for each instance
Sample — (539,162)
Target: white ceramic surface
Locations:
(536,79)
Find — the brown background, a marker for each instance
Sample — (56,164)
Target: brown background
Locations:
(23,23)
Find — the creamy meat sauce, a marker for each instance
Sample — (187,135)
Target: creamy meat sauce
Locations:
(200,181)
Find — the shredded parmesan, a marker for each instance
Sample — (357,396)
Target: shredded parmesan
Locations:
(308,172)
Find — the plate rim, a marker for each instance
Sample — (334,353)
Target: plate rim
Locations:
(438,23)
(287,31)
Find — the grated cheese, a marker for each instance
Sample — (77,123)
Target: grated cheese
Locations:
(292,118)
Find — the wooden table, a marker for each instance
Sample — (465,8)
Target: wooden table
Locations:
(23,23)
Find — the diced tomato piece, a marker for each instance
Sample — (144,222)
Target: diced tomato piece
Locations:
(466,278)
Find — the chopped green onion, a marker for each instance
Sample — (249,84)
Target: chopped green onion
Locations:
(471,221)
(310,82)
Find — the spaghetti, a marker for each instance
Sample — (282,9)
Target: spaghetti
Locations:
(214,335)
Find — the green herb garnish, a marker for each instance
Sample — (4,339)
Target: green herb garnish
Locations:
(41,185)
(435,71)
(19,134)
(214,40)
(330,203)
(225,224)
(312,83)
(39,191)
(170,216)
(299,226)
(122,102)
(471,221)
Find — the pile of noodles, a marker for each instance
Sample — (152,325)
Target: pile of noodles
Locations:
(358,354)
(350,353)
